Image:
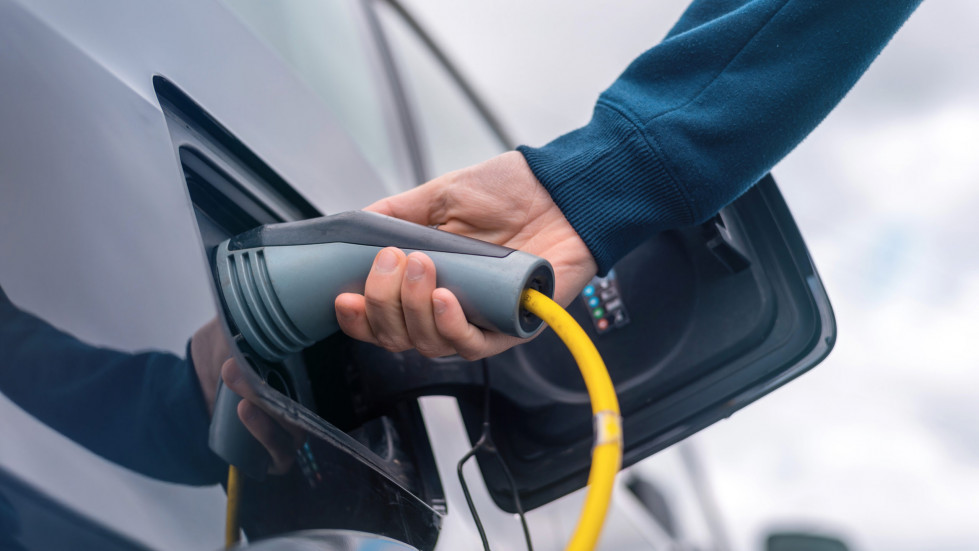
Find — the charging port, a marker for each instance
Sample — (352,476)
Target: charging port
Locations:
(387,451)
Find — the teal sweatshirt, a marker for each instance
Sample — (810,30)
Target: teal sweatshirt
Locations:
(695,121)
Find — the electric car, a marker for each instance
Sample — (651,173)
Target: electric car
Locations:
(135,136)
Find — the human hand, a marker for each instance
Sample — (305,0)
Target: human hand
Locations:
(280,439)
(208,350)
(499,201)
(212,359)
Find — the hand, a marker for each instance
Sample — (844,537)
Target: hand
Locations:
(212,359)
(499,201)
(208,350)
(280,439)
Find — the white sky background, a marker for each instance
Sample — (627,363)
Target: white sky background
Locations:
(880,443)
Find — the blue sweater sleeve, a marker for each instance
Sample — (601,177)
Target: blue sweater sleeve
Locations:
(695,121)
(143,411)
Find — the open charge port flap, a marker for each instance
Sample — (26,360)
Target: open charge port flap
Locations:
(715,313)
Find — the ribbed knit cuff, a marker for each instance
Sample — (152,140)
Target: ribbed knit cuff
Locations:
(611,185)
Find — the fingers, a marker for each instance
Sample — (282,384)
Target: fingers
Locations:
(395,311)
(276,440)
(401,309)
(465,338)
(281,440)
(352,317)
(382,300)
(234,378)
(416,300)
(376,317)
(208,351)
(469,341)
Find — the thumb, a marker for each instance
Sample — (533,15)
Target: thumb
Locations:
(422,205)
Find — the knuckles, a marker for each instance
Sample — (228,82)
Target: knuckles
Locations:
(433,351)
(392,343)
(375,302)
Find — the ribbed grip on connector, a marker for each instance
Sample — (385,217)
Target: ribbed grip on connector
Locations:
(254,307)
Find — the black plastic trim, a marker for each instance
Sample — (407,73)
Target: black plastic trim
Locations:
(199,123)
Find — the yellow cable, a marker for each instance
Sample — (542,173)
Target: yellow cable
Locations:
(231,528)
(607,453)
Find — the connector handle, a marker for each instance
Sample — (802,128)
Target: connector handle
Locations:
(280,292)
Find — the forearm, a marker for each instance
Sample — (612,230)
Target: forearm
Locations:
(696,120)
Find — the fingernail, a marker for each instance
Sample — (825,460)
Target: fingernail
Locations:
(438,306)
(415,269)
(386,262)
(249,413)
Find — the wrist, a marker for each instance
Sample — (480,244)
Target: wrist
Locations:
(611,185)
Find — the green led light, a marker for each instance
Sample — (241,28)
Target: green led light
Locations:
(598,313)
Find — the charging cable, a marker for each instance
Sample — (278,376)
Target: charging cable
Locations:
(607,451)
(231,529)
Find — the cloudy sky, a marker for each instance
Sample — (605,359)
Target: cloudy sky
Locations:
(879,443)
